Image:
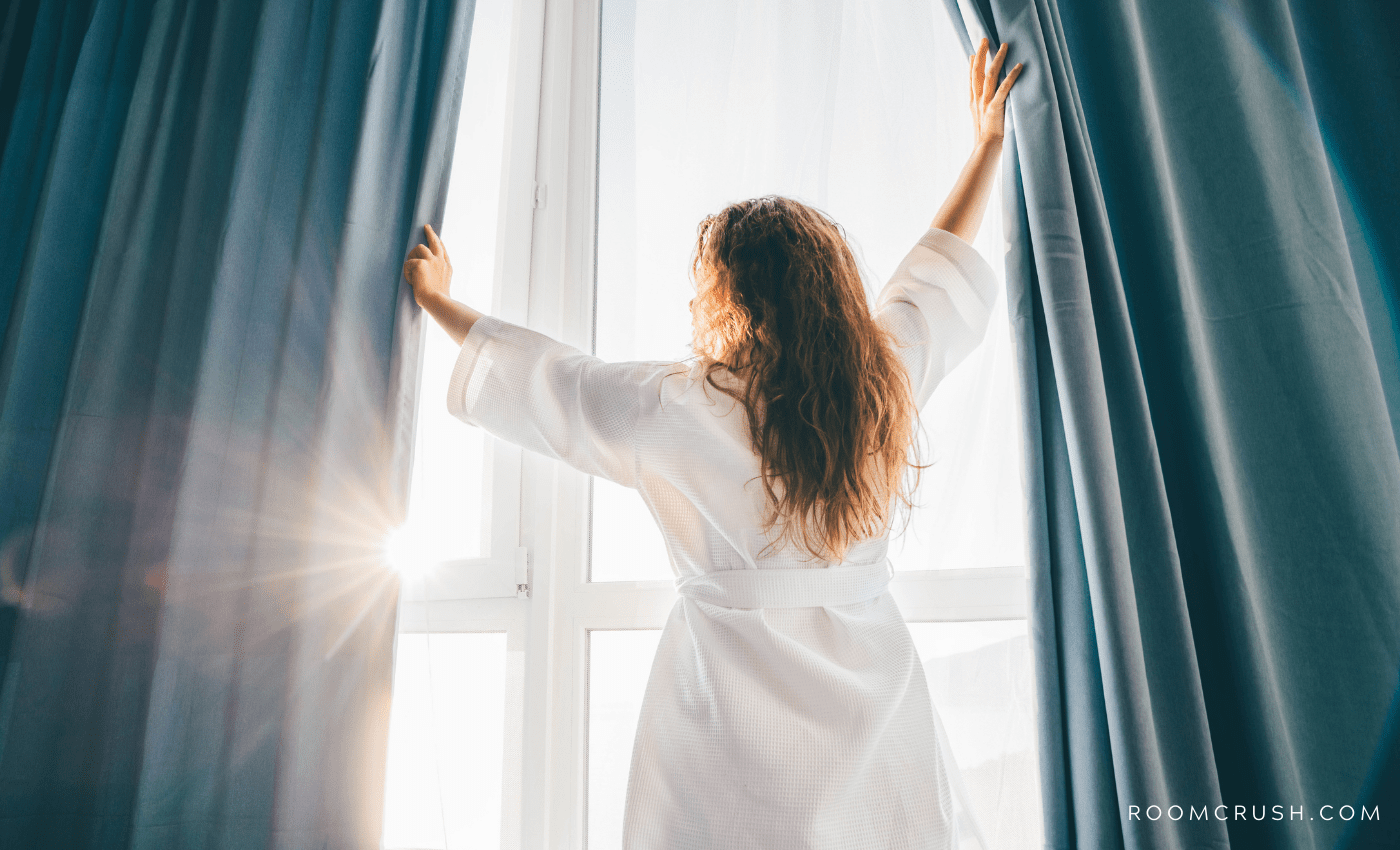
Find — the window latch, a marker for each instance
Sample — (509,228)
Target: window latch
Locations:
(522,573)
(539,196)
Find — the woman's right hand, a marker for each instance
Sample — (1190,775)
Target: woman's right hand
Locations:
(988,100)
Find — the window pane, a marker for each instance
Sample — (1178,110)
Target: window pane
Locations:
(619,663)
(969,508)
(626,544)
(445,502)
(859,109)
(446,742)
(979,675)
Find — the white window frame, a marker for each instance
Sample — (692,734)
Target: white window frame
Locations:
(545,603)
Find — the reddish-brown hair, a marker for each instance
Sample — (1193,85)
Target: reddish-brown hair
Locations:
(780,304)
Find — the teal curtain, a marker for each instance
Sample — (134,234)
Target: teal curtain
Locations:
(1202,281)
(207,388)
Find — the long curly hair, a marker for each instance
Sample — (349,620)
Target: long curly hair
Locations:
(781,306)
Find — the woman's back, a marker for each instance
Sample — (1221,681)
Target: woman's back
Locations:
(679,434)
(786,705)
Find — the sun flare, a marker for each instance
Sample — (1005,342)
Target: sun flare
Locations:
(407,551)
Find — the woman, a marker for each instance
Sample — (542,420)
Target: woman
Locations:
(786,705)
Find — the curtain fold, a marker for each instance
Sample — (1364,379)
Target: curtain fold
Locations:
(1203,298)
(209,365)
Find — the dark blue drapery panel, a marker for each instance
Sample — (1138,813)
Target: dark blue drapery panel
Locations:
(1202,282)
(206,396)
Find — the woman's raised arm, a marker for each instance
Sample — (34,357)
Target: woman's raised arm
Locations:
(961,213)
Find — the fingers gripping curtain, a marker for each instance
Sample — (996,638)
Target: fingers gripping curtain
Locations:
(208,363)
(1206,344)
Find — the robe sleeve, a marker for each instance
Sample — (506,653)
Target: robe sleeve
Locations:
(550,397)
(936,307)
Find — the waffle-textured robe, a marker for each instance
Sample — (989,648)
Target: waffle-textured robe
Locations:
(787,707)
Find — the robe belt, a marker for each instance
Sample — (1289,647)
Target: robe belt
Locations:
(789,588)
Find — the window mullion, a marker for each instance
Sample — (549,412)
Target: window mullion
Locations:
(554,498)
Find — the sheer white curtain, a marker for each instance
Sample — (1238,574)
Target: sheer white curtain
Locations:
(859,108)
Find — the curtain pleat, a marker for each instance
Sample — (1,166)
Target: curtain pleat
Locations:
(209,366)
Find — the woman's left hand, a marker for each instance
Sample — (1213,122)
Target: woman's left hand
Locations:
(428,270)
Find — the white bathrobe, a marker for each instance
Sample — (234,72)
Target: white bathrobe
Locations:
(787,707)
